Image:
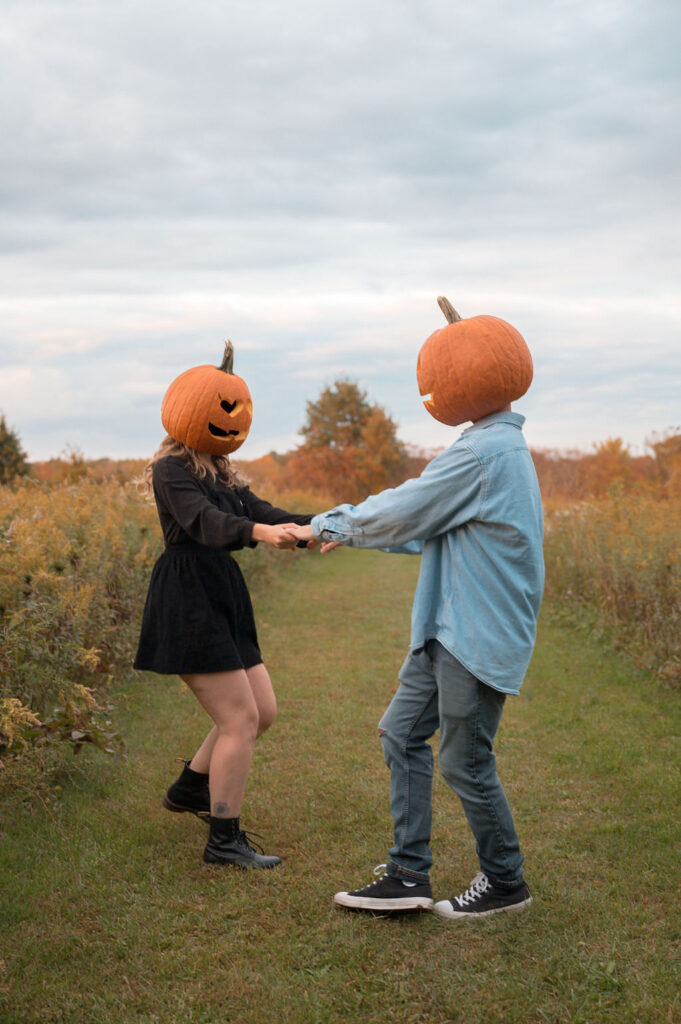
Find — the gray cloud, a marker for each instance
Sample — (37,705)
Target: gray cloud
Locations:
(175,173)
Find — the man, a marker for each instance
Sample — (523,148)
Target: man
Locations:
(475,515)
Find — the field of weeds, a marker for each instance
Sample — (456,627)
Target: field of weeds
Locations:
(75,560)
(615,564)
(76,554)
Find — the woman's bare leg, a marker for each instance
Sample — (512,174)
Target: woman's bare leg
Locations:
(266,702)
(263,694)
(228,698)
(201,759)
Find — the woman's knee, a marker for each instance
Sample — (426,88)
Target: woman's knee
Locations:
(267,714)
(243,721)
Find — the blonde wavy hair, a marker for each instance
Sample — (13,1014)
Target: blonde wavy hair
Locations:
(218,467)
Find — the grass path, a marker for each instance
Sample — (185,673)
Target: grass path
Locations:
(108,917)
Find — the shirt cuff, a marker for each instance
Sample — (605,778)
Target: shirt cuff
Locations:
(317,526)
(326,527)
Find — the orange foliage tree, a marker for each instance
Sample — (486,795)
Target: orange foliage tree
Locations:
(666,453)
(577,476)
(350,447)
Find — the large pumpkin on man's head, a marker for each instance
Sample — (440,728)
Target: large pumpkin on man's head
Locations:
(209,408)
(472,367)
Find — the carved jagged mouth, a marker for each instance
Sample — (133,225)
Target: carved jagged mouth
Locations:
(219,432)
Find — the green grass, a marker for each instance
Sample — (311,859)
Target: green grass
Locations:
(107,915)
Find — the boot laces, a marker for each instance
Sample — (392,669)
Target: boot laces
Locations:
(476,889)
(244,835)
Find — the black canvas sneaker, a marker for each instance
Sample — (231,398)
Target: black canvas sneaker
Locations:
(387,894)
(483,898)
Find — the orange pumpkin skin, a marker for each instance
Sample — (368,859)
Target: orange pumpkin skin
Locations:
(209,408)
(472,368)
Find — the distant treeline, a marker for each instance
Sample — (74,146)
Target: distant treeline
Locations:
(350,472)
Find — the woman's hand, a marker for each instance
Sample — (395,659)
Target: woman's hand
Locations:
(305,533)
(281,536)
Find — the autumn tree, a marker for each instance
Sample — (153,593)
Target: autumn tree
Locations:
(666,452)
(337,419)
(611,461)
(350,446)
(12,456)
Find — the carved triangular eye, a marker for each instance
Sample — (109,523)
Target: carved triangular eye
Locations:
(229,407)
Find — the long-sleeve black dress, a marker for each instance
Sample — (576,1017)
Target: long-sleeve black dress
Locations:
(198,615)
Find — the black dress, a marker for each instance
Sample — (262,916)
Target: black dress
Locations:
(198,615)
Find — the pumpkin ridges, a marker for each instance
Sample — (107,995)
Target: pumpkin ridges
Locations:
(192,402)
(502,373)
(472,367)
(184,405)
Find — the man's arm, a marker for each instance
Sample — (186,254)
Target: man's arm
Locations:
(447,494)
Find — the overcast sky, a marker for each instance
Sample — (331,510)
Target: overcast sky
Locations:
(306,178)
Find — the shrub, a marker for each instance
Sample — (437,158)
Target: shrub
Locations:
(620,558)
(75,561)
(12,456)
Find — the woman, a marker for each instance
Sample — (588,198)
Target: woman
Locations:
(198,619)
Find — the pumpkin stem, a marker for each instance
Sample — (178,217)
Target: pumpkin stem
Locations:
(227,364)
(448,310)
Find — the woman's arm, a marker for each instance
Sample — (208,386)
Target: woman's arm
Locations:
(277,535)
(263,514)
(179,493)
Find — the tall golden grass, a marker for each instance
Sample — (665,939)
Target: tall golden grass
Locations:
(617,561)
(76,554)
(75,561)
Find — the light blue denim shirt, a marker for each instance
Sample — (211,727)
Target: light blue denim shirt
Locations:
(475,515)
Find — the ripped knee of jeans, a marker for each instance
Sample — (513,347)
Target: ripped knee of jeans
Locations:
(386,744)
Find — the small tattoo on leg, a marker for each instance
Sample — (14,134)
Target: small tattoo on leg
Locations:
(221,810)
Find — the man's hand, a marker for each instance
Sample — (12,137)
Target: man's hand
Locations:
(305,533)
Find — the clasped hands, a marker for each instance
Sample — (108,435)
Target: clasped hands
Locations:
(287,535)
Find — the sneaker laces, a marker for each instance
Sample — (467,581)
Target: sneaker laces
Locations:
(475,890)
(379,870)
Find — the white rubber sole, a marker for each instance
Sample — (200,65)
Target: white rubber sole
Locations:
(444,909)
(344,899)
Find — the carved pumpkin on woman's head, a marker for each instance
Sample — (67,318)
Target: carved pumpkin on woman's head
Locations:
(472,367)
(209,408)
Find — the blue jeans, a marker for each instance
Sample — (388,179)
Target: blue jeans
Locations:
(436,691)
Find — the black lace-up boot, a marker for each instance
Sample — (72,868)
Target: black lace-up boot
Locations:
(189,792)
(228,844)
